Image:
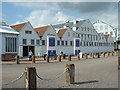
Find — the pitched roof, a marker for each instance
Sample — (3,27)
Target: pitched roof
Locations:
(18,27)
(41,30)
(61,32)
(106,36)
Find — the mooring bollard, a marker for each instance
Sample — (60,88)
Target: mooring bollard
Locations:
(55,57)
(92,55)
(64,56)
(86,56)
(17,59)
(78,56)
(69,57)
(47,58)
(112,53)
(119,60)
(59,58)
(33,58)
(104,54)
(98,55)
(70,73)
(30,78)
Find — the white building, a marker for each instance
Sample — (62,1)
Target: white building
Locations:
(9,42)
(28,39)
(69,37)
(102,27)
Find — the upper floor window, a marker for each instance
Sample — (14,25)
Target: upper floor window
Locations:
(24,41)
(68,34)
(28,32)
(62,42)
(106,26)
(37,42)
(101,27)
(43,42)
(32,41)
(58,42)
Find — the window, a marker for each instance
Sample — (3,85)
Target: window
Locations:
(58,42)
(73,34)
(106,27)
(43,42)
(32,41)
(24,41)
(111,33)
(68,34)
(71,43)
(28,32)
(37,42)
(95,27)
(101,27)
(10,44)
(66,43)
(62,42)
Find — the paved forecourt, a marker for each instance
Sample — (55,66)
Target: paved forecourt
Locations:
(89,73)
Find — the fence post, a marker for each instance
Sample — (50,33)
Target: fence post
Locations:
(30,78)
(17,59)
(59,58)
(98,55)
(47,58)
(70,73)
(33,59)
(118,59)
(86,56)
(78,56)
(69,57)
(55,57)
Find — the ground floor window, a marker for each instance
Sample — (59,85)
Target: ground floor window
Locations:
(10,44)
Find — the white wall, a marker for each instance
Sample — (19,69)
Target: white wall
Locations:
(0,45)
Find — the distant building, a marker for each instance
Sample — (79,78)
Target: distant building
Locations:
(102,27)
(9,45)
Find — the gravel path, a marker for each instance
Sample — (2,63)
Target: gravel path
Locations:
(89,73)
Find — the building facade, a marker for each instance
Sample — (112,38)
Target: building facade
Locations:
(69,37)
(9,43)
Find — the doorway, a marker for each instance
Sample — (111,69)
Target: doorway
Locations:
(26,49)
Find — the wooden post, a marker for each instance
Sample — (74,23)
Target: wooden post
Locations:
(55,57)
(104,54)
(30,78)
(78,57)
(112,53)
(92,55)
(59,58)
(98,55)
(64,56)
(70,73)
(47,58)
(17,59)
(69,57)
(118,59)
(33,59)
(86,56)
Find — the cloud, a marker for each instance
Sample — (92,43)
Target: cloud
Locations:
(45,17)
(81,7)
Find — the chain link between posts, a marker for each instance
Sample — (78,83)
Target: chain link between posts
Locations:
(13,81)
(58,76)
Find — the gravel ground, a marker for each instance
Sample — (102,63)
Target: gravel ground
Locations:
(89,73)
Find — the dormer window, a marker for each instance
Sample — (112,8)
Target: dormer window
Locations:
(28,32)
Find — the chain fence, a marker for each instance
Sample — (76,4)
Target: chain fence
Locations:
(39,77)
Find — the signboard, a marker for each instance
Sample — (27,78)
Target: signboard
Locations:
(77,42)
(51,52)
(51,41)
(51,47)
(76,46)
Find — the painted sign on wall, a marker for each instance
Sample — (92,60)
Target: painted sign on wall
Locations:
(51,41)
(51,52)
(77,42)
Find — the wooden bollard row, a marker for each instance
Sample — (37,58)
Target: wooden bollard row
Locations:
(31,74)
